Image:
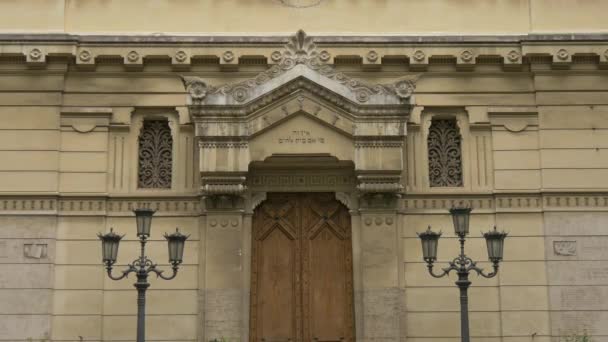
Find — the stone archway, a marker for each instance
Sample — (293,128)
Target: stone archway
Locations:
(301,108)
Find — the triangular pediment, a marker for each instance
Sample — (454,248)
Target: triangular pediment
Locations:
(300,66)
(301,102)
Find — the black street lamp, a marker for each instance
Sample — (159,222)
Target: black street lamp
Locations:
(462,264)
(142,266)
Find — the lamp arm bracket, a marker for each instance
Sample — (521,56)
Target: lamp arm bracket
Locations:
(480,271)
(444,271)
(159,273)
(125,273)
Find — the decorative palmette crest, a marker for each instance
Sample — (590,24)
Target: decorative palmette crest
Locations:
(445,154)
(300,49)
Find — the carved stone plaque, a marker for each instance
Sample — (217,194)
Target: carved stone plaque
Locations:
(564,248)
(301,137)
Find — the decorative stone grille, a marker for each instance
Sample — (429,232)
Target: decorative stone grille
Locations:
(155,155)
(445,154)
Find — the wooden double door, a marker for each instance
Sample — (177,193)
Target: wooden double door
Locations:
(301,284)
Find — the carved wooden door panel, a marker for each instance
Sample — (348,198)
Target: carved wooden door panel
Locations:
(275,270)
(301,286)
(326,270)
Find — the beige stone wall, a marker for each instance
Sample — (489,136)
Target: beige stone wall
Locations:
(323,17)
(534,127)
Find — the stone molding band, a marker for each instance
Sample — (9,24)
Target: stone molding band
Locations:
(194,206)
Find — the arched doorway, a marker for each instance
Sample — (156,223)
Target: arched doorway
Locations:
(301,272)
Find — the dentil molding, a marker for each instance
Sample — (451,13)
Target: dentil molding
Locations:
(559,50)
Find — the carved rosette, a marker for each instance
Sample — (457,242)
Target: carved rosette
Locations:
(197,91)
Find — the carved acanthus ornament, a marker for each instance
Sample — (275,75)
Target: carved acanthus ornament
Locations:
(445,154)
(155,155)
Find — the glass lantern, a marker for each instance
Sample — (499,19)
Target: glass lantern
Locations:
(495,241)
(109,246)
(143,218)
(429,240)
(176,243)
(460,217)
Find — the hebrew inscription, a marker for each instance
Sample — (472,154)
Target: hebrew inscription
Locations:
(301,137)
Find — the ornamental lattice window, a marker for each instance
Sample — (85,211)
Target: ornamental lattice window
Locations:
(445,154)
(155,159)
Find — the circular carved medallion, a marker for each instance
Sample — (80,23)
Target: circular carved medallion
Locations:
(513,56)
(35,54)
(133,56)
(563,54)
(419,55)
(85,55)
(181,56)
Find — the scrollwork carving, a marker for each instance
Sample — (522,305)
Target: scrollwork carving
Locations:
(155,155)
(445,154)
(301,49)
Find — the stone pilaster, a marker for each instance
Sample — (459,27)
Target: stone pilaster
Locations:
(380,296)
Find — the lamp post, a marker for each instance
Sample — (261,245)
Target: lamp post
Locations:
(142,266)
(462,264)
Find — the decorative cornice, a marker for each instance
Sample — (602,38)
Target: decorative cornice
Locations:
(300,50)
(512,51)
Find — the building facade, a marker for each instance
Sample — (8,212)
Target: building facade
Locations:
(302,144)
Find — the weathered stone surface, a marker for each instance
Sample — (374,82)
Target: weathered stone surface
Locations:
(223,313)
(568,322)
(576,223)
(577,248)
(579,297)
(30,227)
(22,327)
(25,301)
(381,313)
(27,251)
(577,273)
(33,276)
